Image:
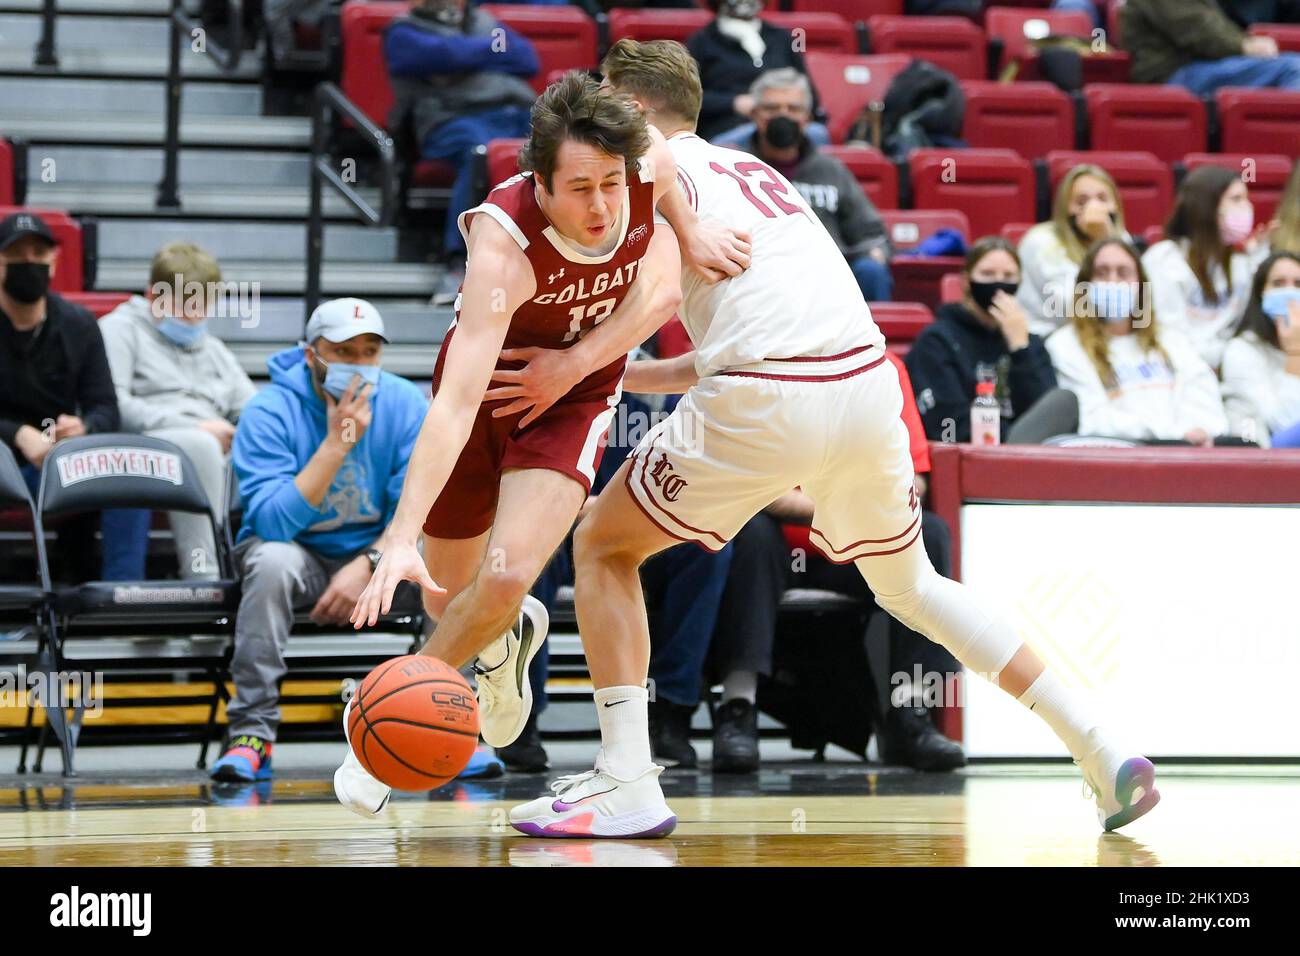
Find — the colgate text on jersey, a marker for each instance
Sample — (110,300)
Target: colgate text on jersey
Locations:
(580,290)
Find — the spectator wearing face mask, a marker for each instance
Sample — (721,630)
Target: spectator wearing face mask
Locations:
(54,378)
(1087,208)
(1134,377)
(732,52)
(987,328)
(1201,272)
(176,381)
(782,111)
(320,455)
(1261,364)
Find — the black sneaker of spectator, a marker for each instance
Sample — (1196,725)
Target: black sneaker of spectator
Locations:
(670,734)
(909,739)
(735,737)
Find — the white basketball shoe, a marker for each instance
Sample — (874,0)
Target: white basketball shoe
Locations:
(1122,783)
(505,696)
(354,787)
(598,804)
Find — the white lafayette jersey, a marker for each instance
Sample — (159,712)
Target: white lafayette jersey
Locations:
(797,298)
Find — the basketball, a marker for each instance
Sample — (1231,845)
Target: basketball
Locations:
(414,723)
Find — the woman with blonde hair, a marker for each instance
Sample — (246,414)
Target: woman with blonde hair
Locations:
(1286,227)
(1087,208)
(1134,377)
(1202,269)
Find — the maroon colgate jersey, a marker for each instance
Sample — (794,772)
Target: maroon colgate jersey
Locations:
(575,291)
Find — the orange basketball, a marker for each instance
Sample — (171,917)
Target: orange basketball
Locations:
(414,723)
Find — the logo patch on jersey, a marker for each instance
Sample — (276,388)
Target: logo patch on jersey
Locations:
(553,276)
(664,479)
(637,234)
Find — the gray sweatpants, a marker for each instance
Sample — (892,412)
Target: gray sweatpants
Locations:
(279,577)
(196,550)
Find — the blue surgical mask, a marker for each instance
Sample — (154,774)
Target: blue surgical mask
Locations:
(1112,301)
(1275,302)
(184,334)
(338,376)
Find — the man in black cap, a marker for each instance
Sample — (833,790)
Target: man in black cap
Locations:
(56,379)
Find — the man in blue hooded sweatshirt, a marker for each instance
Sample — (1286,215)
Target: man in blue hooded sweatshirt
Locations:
(321,456)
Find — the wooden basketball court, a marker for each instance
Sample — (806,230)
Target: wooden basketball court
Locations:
(791,814)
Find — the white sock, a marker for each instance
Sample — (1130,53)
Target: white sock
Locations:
(624,715)
(740,684)
(1063,710)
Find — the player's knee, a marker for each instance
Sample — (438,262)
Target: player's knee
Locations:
(907,602)
(591,545)
(504,586)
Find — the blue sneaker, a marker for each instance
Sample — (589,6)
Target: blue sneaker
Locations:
(484,765)
(247,758)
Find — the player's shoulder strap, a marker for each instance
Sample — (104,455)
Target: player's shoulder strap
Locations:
(513,205)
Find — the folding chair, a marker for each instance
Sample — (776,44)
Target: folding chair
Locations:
(95,472)
(23,605)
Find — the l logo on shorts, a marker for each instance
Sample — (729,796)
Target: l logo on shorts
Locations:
(663,477)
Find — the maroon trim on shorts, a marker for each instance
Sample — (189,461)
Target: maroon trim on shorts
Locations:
(872,554)
(822,358)
(849,547)
(806,378)
(651,498)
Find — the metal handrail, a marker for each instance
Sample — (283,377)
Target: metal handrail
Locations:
(181,23)
(328,101)
(46,54)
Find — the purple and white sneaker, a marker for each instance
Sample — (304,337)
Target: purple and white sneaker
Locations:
(598,804)
(1122,782)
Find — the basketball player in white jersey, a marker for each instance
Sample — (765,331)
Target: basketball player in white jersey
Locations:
(788,385)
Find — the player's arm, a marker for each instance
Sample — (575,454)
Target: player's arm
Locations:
(497,281)
(710,248)
(651,301)
(661,376)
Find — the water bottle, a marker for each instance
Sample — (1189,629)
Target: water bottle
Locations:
(985,411)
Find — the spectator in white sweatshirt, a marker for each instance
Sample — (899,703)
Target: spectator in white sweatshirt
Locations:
(176,381)
(1261,365)
(1087,208)
(1133,377)
(1201,271)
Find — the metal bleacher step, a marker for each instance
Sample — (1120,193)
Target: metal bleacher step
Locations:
(113,45)
(124,180)
(358,260)
(71,110)
(101,7)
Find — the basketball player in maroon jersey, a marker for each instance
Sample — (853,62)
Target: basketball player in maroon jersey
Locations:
(564,257)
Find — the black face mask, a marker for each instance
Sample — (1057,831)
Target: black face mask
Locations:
(983,292)
(27,282)
(782,132)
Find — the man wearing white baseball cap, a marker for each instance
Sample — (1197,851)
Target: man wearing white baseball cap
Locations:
(320,455)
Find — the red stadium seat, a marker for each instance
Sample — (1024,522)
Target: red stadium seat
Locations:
(822,32)
(847,84)
(99,303)
(901,322)
(565,37)
(69,272)
(6,173)
(1113,35)
(874,171)
(849,9)
(502,160)
(917,278)
(1265,176)
(1013,232)
(656,24)
(991,186)
(1153,234)
(1018,28)
(1146,185)
(1031,118)
(1167,120)
(1259,121)
(950,287)
(952,43)
(1287,35)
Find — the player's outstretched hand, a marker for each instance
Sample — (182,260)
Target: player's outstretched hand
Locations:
(398,564)
(547,377)
(716,251)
